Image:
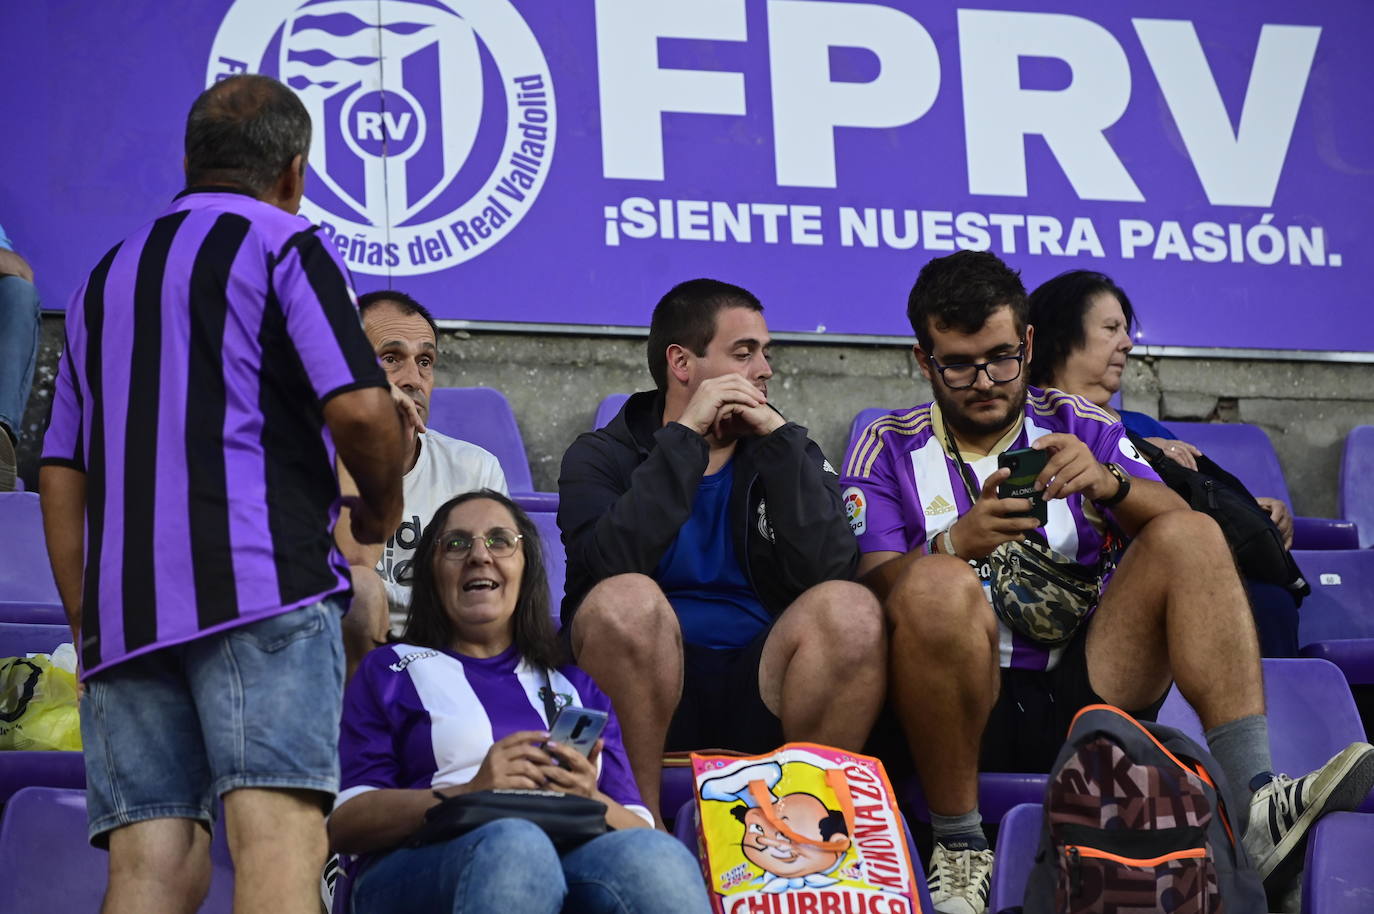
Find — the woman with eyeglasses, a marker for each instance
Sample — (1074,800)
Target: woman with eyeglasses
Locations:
(1083,323)
(462,704)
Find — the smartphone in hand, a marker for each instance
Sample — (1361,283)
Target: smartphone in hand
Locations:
(1025,464)
(579,728)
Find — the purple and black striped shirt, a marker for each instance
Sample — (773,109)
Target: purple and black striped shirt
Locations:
(198,358)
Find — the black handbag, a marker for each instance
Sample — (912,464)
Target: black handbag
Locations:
(1248,528)
(567,819)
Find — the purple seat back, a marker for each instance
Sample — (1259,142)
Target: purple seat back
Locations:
(18,639)
(1337,878)
(483,416)
(1242,449)
(675,788)
(1312,714)
(555,562)
(47,863)
(25,576)
(607,409)
(1356,492)
(1354,656)
(998,792)
(23,768)
(1341,604)
(1017,840)
(41,613)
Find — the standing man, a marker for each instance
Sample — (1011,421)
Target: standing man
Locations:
(19,316)
(709,555)
(404,336)
(927,514)
(188,494)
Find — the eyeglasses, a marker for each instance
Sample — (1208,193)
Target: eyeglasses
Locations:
(965,375)
(500,544)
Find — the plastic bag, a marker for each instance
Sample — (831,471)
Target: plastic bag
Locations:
(38,704)
(806,828)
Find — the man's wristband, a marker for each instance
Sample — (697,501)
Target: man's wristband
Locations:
(949,541)
(1123,486)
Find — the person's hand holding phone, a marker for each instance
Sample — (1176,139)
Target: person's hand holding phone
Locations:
(574,773)
(992,521)
(514,763)
(1073,468)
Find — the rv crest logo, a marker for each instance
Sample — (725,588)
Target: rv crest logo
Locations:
(434,122)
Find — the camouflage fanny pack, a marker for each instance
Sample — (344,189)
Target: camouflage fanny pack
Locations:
(1039,593)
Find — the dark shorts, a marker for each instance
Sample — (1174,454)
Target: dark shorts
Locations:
(721,707)
(1031,719)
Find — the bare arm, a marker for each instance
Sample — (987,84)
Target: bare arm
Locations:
(62,492)
(11,264)
(878,571)
(356,553)
(369,434)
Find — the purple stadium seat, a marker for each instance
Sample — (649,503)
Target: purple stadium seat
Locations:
(1356,492)
(20,769)
(607,409)
(1246,451)
(47,863)
(25,576)
(685,830)
(1337,878)
(1354,656)
(483,416)
(675,788)
(555,562)
(998,792)
(1014,855)
(1342,601)
(42,613)
(18,639)
(1312,714)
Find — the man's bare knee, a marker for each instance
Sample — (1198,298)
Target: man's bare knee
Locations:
(941,598)
(1183,534)
(627,611)
(163,858)
(845,618)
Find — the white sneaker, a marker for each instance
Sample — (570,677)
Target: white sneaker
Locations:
(960,881)
(1284,810)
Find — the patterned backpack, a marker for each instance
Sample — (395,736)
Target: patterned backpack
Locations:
(1138,817)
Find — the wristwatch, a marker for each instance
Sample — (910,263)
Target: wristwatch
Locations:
(1123,487)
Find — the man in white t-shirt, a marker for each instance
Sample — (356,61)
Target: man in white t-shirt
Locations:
(405,338)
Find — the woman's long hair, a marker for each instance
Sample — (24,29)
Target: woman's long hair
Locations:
(428,625)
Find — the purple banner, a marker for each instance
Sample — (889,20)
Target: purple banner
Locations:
(567,162)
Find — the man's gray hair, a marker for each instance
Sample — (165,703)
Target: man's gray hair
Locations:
(244,131)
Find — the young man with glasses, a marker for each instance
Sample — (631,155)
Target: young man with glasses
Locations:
(921,487)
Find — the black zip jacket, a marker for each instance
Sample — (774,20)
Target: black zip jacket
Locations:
(625,491)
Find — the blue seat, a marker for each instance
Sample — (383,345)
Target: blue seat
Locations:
(1246,451)
(1336,622)
(555,561)
(25,577)
(1355,494)
(47,863)
(1312,714)
(483,416)
(1017,840)
(18,639)
(1337,878)
(607,409)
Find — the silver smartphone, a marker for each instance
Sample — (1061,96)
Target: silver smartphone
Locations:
(579,728)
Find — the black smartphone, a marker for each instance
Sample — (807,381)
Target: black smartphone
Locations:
(579,728)
(1025,464)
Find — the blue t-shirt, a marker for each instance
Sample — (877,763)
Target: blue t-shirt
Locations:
(699,574)
(1145,426)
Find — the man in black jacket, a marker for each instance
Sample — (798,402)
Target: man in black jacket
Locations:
(709,556)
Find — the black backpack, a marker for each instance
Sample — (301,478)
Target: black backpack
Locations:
(1138,817)
(1255,541)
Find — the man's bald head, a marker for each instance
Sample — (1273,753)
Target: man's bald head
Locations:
(245,131)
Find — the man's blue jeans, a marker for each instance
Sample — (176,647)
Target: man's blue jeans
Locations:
(510,865)
(18,348)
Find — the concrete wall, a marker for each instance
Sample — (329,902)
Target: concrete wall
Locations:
(554,383)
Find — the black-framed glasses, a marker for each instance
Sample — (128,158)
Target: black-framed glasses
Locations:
(965,374)
(500,544)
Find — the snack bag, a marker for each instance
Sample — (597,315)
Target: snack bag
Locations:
(37,705)
(803,830)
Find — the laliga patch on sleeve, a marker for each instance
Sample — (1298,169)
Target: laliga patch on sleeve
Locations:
(1129,451)
(856,510)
